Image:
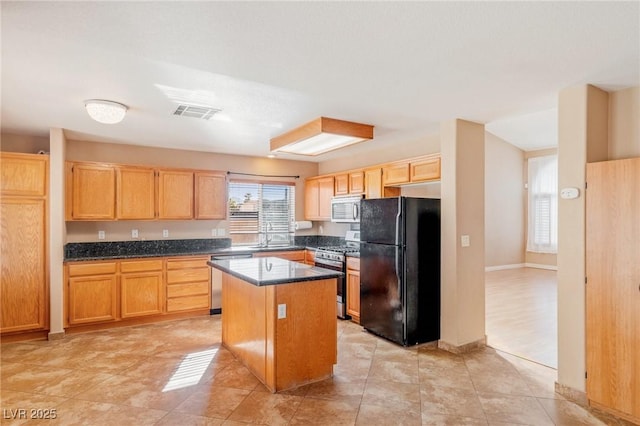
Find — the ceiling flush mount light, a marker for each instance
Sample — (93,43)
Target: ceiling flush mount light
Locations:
(107,112)
(320,136)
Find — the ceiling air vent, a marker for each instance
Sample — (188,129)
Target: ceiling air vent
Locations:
(196,111)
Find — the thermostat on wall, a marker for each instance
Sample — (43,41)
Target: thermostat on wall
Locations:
(569,193)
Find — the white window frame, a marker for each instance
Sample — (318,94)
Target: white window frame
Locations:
(542,223)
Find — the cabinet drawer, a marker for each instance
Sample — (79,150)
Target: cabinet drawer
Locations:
(141,265)
(188,275)
(188,289)
(191,262)
(353,263)
(188,303)
(79,269)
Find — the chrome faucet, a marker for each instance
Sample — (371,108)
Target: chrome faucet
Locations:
(268,227)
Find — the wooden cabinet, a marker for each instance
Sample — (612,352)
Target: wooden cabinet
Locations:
(141,288)
(317,198)
(426,169)
(210,195)
(373,183)
(341,184)
(136,193)
(188,284)
(353,288)
(23,238)
(356,182)
(395,174)
(175,194)
(294,255)
(93,191)
(613,286)
(310,257)
(92,293)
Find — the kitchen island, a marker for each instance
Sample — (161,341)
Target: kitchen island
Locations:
(279,319)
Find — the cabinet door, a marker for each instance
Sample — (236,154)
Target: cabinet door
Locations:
(23,174)
(93,192)
(210,196)
(373,183)
(325,193)
(310,257)
(135,193)
(175,194)
(311,199)
(23,277)
(395,174)
(613,285)
(141,294)
(353,294)
(356,183)
(425,170)
(341,184)
(92,299)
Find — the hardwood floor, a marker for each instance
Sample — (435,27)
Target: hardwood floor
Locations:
(521,313)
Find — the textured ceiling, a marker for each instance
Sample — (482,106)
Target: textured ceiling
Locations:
(271,66)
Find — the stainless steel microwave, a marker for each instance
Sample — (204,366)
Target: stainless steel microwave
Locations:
(346,209)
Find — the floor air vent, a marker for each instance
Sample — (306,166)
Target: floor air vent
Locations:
(195,111)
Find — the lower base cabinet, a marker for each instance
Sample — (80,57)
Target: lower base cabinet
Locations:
(353,288)
(141,288)
(112,291)
(92,295)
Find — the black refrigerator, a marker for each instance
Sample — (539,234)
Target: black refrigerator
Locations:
(400,268)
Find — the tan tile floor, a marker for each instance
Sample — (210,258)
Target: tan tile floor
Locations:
(176,373)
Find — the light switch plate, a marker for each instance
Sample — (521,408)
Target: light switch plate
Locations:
(465,241)
(220,232)
(282,311)
(134,233)
(101,235)
(214,232)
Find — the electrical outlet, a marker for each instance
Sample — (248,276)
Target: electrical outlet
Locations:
(134,233)
(465,241)
(321,229)
(214,232)
(282,311)
(165,233)
(220,232)
(101,235)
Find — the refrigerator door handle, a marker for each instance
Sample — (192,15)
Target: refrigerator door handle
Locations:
(398,278)
(398,216)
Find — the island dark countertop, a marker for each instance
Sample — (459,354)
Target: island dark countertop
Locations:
(262,271)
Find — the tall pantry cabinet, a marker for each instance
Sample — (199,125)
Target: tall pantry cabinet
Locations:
(23,235)
(613,286)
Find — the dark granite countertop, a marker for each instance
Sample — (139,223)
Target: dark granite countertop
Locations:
(190,247)
(261,271)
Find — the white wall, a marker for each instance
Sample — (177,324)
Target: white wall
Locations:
(504,203)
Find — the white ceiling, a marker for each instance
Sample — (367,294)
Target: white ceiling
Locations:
(272,66)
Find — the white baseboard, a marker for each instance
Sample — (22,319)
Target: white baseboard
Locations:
(520,265)
(541,266)
(501,267)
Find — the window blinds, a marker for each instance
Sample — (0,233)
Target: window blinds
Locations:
(542,232)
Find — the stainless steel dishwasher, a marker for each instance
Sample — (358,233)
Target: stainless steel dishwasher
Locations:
(216,280)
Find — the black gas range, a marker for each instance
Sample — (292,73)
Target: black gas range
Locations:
(335,258)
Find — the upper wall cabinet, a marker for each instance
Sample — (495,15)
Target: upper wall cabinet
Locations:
(425,169)
(341,184)
(102,192)
(136,188)
(395,174)
(317,198)
(349,183)
(175,194)
(210,195)
(24,174)
(373,183)
(356,182)
(93,191)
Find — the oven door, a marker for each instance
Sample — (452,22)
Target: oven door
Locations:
(341,293)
